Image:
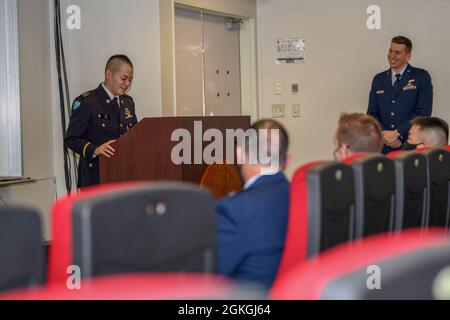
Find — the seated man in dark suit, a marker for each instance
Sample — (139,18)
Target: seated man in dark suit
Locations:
(252,223)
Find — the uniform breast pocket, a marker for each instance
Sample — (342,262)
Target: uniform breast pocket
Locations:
(410,87)
(382,98)
(409,93)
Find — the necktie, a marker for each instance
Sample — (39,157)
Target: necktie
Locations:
(397,81)
(115,103)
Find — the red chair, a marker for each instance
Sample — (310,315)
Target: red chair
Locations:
(411,189)
(438,172)
(394,154)
(404,264)
(375,193)
(60,254)
(321,211)
(169,286)
(297,230)
(354,157)
(148,227)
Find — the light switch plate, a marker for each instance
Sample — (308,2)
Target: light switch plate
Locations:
(278,88)
(296,110)
(278,111)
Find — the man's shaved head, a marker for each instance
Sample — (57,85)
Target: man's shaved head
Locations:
(115,62)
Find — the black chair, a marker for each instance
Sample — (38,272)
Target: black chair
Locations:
(411,264)
(331,206)
(375,194)
(411,190)
(438,169)
(156,227)
(409,276)
(21,248)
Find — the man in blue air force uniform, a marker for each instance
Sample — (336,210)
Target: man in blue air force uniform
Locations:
(400,94)
(99,117)
(252,223)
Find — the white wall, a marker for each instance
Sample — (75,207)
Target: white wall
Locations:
(36,110)
(342,56)
(111,27)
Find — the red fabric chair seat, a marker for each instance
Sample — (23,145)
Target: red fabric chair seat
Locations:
(60,249)
(142,287)
(311,279)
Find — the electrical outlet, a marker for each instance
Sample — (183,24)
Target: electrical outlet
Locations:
(278,111)
(278,88)
(296,110)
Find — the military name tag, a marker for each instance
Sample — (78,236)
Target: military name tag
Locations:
(380,92)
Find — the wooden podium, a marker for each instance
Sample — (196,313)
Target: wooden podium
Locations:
(144,153)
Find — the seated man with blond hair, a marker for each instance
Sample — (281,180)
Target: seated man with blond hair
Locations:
(357,132)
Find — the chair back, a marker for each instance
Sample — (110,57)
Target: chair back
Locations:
(411,189)
(375,194)
(438,170)
(21,248)
(412,264)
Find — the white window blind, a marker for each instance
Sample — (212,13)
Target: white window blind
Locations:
(10,132)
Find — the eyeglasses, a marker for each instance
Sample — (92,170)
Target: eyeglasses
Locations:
(337,149)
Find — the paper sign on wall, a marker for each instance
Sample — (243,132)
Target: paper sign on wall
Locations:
(290,50)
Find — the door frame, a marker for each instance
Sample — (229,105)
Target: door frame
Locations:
(249,77)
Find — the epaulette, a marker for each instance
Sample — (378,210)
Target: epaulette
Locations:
(78,101)
(89,94)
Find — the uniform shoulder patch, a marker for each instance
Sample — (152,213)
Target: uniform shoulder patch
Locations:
(76,104)
(82,97)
